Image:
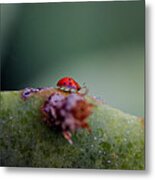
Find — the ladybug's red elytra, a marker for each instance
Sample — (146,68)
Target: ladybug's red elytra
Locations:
(68,84)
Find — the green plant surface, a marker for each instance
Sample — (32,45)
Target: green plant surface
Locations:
(116,140)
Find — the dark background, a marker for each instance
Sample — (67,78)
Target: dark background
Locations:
(99,43)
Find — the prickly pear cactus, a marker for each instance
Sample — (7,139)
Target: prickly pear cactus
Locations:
(116,140)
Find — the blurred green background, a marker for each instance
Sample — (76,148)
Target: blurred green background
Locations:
(99,43)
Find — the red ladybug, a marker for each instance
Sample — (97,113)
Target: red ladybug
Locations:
(68,84)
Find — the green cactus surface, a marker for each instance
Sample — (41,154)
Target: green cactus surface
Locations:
(116,140)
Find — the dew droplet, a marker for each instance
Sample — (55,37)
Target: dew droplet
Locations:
(95,138)
(82,149)
(10,117)
(109,161)
(92,145)
(125,139)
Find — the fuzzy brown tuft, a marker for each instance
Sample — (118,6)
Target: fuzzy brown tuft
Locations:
(66,113)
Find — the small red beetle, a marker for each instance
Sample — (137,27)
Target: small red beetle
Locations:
(70,85)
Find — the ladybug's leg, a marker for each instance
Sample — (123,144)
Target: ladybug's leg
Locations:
(67,89)
(73,90)
(83,91)
(62,88)
(67,135)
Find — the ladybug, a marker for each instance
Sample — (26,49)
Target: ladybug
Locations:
(70,85)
